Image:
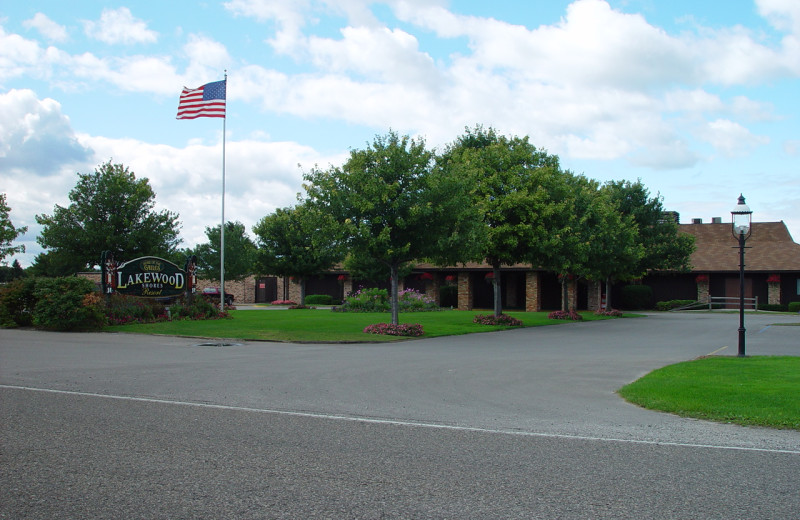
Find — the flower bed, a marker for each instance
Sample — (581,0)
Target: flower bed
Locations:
(609,312)
(491,319)
(283,302)
(564,315)
(402,329)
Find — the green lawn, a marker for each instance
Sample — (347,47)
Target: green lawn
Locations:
(322,325)
(760,391)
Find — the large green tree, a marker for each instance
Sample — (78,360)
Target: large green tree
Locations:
(396,206)
(518,190)
(240,253)
(299,242)
(8,233)
(110,210)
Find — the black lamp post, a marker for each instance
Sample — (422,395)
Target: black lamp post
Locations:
(741,228)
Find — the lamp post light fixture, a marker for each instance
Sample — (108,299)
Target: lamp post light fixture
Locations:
(741,227)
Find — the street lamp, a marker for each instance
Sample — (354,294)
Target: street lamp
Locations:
(741,227)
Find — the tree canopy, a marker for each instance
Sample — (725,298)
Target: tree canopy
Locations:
(394,205)
(110,210)
(664,248)
(517,190)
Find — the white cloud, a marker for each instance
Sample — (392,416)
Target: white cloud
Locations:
(35,137)
(119,26)
(47,28)
(730,137)
(782,14)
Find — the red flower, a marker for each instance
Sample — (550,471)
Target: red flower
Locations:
(774,278)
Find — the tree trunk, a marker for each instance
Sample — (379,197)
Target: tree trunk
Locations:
(497,286)
(564,293)
(394,299)
(608,294)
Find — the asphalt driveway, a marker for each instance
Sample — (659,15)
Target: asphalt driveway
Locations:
(480,426)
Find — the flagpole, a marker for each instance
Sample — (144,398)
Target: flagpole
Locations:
(222,226)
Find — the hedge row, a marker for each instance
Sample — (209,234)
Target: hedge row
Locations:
(73,304)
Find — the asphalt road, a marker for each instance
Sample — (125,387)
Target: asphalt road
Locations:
(517,424)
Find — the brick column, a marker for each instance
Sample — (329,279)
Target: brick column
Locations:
(464,291)
(703,291)
(532,301)
(773,293)
(572,295)
(432,289)
(294,291)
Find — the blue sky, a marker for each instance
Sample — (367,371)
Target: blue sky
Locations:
(697,101)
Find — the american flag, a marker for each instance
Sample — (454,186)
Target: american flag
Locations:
(206,101)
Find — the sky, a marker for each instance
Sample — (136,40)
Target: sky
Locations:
(698,100)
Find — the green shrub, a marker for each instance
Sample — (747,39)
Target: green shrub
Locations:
(775,307)
(17,302)
(794,307)
(197,309)
(377,300)
(672,304)
(319,299)
(636,297)
(67,304)
(367,300)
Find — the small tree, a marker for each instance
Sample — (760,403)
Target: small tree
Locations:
(396,207)
(110,210)
(240,253)
(660,244)
(8,233)
(299,242)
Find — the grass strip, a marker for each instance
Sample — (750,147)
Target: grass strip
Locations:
(325,326)
(753,391)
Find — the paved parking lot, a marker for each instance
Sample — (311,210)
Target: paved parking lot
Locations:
(517,424)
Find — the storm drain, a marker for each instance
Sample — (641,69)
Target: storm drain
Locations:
(218,344)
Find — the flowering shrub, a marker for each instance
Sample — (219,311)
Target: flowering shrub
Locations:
(564,315)
(120,309)
(491,319)
(609,312)
(198,309)
(402,329)
(283,302)
(377,300)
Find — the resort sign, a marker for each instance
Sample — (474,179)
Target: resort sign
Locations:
(147,277)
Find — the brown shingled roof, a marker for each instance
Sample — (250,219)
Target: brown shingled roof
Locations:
(770,248)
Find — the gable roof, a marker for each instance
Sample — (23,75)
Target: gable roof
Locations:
(770,248)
